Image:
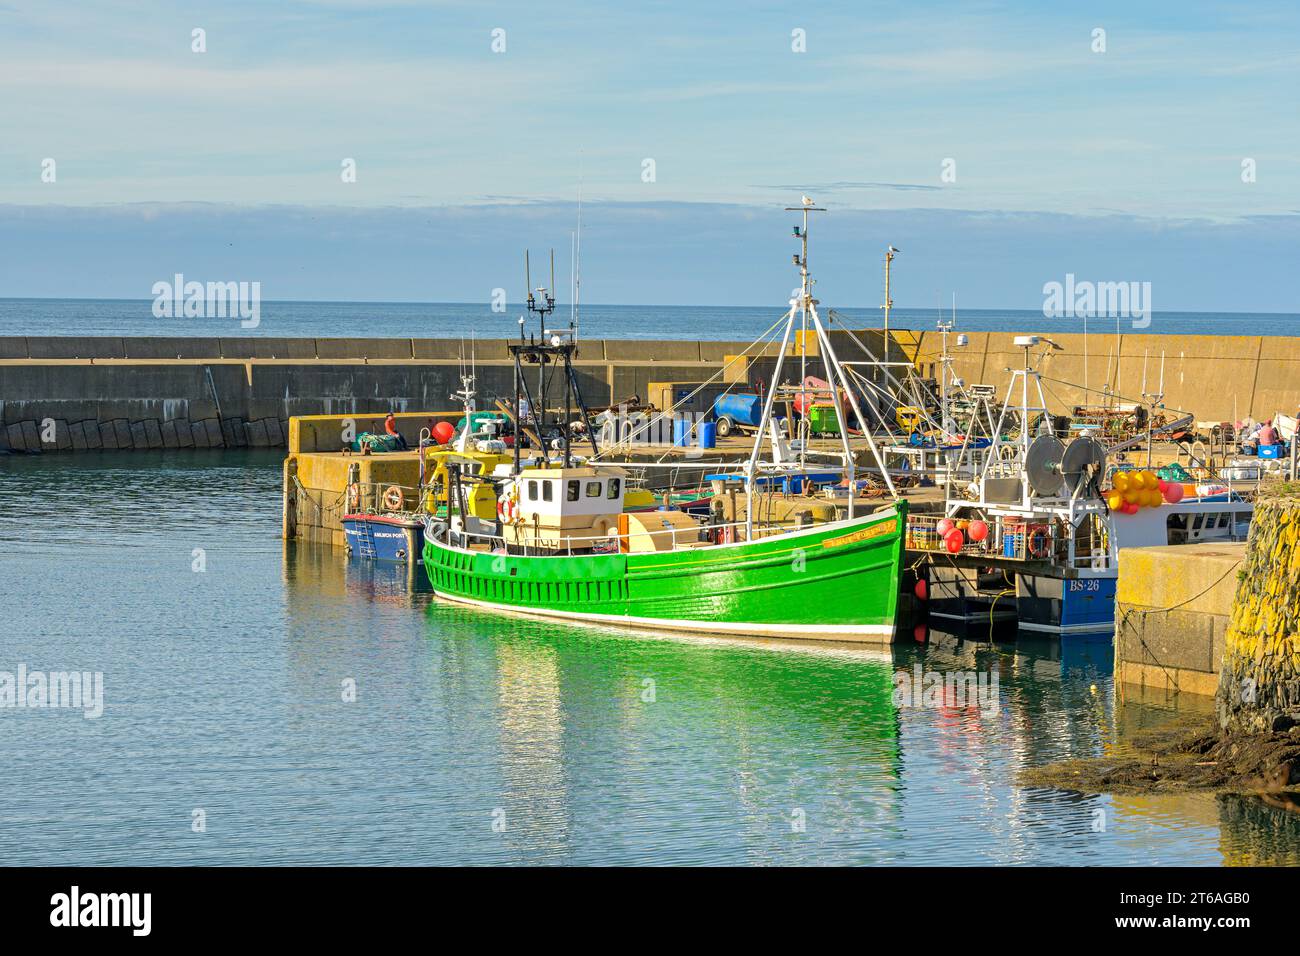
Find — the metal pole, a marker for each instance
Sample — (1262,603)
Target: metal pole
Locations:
(889,257)
(866,429)
(850,470)
(764,424)
(568,406)
(519,418)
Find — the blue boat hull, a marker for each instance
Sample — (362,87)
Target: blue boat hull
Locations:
(384,538)
(1078,607)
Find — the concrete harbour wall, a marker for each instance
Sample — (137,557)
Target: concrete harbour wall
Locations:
(1172,609)
(160,392)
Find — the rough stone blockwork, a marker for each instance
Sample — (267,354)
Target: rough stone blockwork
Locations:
(1259,683)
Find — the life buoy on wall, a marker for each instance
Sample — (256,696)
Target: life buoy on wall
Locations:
(354,497)
(394,499)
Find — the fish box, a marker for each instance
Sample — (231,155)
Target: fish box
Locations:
(822,420)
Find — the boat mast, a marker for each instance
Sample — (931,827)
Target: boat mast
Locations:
(550,347)
(466,396)
(805,307)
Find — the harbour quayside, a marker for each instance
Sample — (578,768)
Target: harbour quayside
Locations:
(1012,514)
(561,546)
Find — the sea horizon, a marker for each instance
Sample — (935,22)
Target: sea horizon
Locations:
(34,316)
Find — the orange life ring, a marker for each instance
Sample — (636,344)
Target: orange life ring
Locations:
(394,499)
(1039,543)
(354,497)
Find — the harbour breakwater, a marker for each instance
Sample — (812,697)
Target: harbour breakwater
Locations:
(74,393)
(1259,684)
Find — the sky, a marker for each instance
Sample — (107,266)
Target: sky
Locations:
(999,145)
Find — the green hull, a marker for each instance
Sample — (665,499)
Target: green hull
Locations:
(836,582)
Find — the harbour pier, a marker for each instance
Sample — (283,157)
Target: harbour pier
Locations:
(212,392)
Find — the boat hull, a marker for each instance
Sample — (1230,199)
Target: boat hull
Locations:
(836,581)
(384,537)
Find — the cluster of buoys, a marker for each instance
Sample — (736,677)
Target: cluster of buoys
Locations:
(1133,490)
(954,534)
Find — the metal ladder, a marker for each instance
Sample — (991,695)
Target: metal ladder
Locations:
(365,540)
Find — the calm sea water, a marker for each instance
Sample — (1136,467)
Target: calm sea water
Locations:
(224,693)
(453,320)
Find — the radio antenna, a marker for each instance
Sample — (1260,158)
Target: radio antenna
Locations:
(528,293)
(577,262)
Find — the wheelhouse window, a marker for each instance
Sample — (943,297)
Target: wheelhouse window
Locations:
(532,491)
(547,493)
(593,489)
(612,494)
(572,491)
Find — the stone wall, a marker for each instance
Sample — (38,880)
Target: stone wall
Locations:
(1259,684)
(160,392)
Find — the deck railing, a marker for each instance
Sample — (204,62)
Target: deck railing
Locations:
(1006,537)
(614,539)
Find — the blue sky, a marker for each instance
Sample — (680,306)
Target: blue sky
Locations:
(1122,164)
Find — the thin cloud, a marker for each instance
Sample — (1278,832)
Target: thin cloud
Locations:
(842,186)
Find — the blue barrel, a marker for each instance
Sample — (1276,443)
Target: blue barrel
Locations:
(744,408)
(708,432)
(682,431)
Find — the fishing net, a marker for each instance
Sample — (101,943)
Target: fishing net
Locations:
(1174,472)
(376,443)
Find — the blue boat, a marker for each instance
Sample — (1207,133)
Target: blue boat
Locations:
(384,537)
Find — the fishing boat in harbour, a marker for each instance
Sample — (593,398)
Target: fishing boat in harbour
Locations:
(1044,520)
(387,523)
(561,545)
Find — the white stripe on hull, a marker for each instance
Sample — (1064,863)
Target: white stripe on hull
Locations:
(872,633)
(1098,628)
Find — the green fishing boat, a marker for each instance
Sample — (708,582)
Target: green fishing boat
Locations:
(836,581)
(559,544)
